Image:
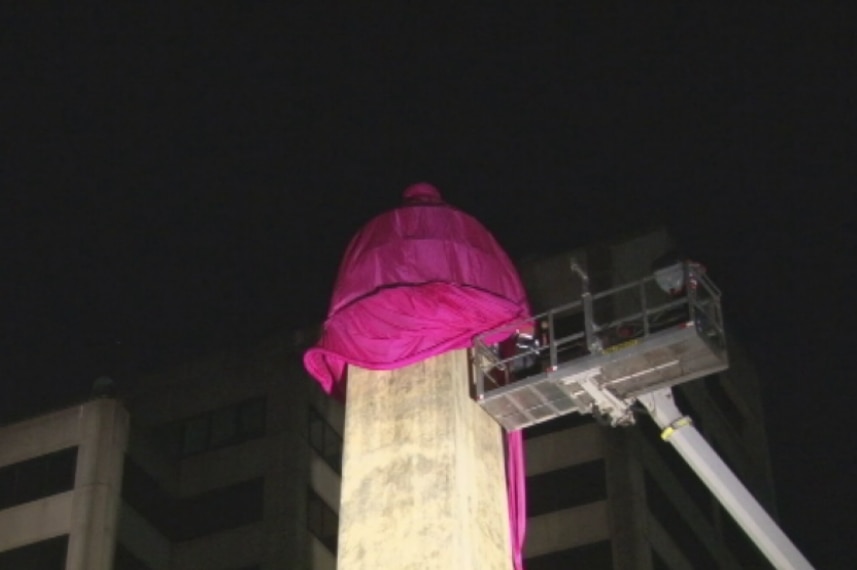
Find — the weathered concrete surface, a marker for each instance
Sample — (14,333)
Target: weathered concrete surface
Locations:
(423,480)
(97,485)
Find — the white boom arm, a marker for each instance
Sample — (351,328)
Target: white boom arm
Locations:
(679,431)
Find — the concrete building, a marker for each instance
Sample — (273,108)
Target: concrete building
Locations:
(60,481)
(227,463)
(233,462)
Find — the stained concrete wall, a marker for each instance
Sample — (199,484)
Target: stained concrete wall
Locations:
(423,483)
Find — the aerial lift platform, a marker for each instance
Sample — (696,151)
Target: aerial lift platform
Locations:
(574,362)
(606,354)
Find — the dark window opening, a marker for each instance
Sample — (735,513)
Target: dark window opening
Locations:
(192,517)
(123,559)
(143,493)
(565,488)
(595,556)
(220,509)
(325,440)
(38,477)
(725,403)
(216,429)
(322,521)
(44,555)
(671,519)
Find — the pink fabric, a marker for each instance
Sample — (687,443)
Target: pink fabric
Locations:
(403,324)
(516,490)
(416,282)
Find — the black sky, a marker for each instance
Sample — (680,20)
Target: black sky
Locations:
(176,182)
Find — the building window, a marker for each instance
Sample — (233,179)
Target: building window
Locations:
(565,488)
(725,403)
(322,521)
(142,492)
(662,508)
(43,555)
(594,556)
(38,477)
(220,509)
(325,440)
(220,428)
(123,559)
(192,517)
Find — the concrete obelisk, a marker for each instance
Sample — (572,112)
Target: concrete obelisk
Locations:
(423,479)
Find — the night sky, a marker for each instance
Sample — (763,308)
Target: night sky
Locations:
(180,182)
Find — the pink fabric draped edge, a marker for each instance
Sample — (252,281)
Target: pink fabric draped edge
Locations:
(416,282)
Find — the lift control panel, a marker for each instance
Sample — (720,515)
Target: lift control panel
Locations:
(595,355)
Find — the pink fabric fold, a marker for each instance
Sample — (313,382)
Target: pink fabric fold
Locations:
(397,326)
(416,282)
(516,489)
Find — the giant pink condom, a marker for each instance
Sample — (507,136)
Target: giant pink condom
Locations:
(415,282)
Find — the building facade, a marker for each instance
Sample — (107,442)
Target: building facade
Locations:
(60,484)
(233,463)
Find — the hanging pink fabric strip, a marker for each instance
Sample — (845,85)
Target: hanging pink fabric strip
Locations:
(516,488)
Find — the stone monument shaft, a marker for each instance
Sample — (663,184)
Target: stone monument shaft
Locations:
(423,479)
